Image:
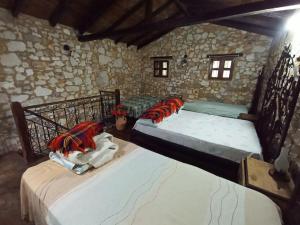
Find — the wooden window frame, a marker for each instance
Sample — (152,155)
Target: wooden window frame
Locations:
(160,68)
(222,58)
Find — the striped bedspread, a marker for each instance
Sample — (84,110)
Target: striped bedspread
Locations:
(140,187)
(138,104)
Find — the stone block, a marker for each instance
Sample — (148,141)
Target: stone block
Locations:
(16,46)
(10,60)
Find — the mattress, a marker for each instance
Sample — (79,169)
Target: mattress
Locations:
(219,136)
(216,108)
(140,187)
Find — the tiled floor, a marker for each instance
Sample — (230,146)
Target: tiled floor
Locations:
(11,168)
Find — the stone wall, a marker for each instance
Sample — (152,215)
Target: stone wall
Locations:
(35,69)
(197,42)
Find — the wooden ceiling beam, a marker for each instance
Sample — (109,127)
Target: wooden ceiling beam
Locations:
(157,11)
(137,38)
(156,35)
(148,10)
(16,7)
(58,12)
(96,11)
(182,7)
(248,9)
(261,20)
(254,28)
(127,14)
(153,15)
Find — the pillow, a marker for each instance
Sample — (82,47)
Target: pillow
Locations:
(156,115)
(177,101)
(162,110)
(216,108)
(78,138)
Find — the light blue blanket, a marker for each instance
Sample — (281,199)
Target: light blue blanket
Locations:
(216,108)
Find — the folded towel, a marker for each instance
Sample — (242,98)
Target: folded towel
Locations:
(76,160)
(105,151)
(78,169)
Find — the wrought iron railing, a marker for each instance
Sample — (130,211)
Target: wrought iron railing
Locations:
(38,124)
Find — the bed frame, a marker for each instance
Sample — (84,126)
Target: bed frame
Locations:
(279,104)
(272,126)
(38,124)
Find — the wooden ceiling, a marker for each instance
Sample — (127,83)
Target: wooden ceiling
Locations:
(139,22)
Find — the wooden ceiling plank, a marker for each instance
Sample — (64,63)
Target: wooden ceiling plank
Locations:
(148,10)
(261,20)
(17,7)
(248,27)
(153,15)
(96,11)
(58,12)
(182,7)
(159,34)
(248,9)
(138,38)
(126,15)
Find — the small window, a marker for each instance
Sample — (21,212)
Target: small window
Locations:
(221,66)
(161,68)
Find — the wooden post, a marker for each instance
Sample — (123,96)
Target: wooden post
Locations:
(102,106)
(21,124)
(118,96)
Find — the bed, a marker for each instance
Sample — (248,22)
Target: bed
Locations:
(227,138)
(136,105)
(140,187)
(216,108)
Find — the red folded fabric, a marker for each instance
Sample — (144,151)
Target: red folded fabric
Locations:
(162,110)
(177,101)
(78,138)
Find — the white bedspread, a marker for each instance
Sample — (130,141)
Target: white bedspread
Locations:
(228,138)
(142,188)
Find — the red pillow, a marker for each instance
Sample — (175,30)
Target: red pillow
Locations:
(78,138)
(177,101)
(156,114)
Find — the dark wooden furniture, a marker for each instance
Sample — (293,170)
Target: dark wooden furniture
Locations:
(278,106)
(255,175)
(219,166)
(38,124)
(249,117)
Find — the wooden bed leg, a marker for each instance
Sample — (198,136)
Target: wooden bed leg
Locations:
(118,96)
(21,124)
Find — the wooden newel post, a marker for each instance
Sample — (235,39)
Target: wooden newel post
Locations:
(21,124)
(118,96)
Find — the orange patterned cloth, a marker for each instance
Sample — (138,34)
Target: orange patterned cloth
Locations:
(78,138)
(162,110)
